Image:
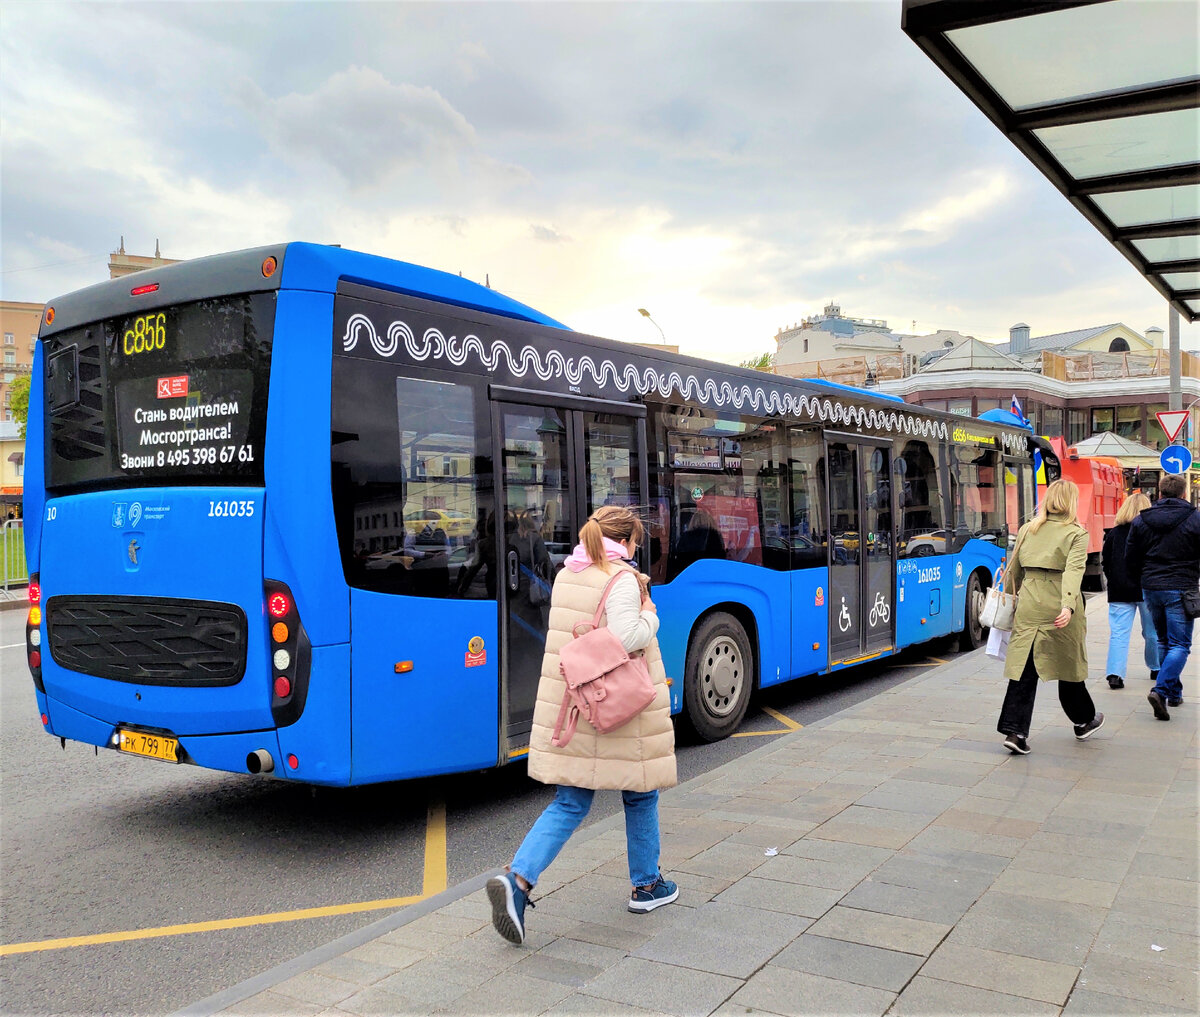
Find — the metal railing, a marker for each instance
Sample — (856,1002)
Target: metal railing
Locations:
(12,554)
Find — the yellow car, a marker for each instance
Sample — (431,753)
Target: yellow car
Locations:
(456,525)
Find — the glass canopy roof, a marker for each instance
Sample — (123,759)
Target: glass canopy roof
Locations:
(1103,96)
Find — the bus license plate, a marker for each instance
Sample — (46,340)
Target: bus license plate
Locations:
(152,745)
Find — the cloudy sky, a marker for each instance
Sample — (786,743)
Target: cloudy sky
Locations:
(729,166)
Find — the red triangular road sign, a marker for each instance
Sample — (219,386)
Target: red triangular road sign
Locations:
(1172,421)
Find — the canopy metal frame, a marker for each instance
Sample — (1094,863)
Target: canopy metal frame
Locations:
(928,22)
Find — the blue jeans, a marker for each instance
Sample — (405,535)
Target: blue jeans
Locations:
(1120,625)
(1174,630)
(562,818)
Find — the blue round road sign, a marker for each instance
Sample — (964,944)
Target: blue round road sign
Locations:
(1175,459)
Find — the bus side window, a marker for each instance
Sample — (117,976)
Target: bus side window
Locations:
(807,475)
(411,518)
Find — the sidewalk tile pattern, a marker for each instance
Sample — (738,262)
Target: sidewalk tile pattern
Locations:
(871,863)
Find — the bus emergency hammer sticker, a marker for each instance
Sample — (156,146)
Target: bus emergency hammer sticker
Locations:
(476,654)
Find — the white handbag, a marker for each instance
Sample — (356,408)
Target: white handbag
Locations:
(999,608)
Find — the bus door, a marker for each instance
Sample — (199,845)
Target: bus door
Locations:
(862,553)
(558,459)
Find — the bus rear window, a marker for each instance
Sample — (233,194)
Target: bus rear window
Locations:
(175,395)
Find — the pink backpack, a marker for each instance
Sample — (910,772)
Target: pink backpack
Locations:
(605,685)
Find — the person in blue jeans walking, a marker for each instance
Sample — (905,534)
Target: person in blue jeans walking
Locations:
(1125,597)
(637,759)
(1163,555)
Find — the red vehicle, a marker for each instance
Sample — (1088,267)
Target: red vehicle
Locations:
(1101,483)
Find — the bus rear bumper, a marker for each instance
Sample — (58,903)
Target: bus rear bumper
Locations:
(228,752)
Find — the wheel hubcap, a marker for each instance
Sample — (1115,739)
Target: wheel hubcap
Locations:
(977,600)
(721,676)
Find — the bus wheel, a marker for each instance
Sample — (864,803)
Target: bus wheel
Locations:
(718,680)
(972,633)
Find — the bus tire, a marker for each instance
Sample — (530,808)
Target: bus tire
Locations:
(973,631)
(718,677)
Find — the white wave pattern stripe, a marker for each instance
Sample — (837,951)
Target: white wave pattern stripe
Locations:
(434,345)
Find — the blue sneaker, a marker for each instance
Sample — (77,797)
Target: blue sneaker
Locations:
(508,907)
(643,900)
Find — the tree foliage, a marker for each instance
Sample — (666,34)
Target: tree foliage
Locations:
(760,363)
(19,402)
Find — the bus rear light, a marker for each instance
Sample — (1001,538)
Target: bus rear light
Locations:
(268,267)
(403,666)
(137,291)
(291,653)
(45,720)
(33,632)
(49,315)
(293,762)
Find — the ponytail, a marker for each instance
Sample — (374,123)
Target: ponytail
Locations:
(592,539)
(616,522)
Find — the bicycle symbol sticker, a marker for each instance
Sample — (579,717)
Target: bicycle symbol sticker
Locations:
(844,622)
(880,611)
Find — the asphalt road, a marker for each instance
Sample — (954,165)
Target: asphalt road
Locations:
(103,843)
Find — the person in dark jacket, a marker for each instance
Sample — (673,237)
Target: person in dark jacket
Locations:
(1162,555)
(1125,598)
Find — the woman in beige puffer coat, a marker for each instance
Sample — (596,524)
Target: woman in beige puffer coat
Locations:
(637,759)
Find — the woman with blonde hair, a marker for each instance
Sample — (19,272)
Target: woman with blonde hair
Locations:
(637,759)
(1049,633)
(1125,597)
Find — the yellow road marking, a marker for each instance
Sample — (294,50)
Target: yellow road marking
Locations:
(787,722)
(791,725)
(926,662)
(435,850)
(434,883)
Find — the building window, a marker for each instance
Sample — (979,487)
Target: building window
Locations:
(1118,345)
(1156,438)
(10,357)
(1076,426)
(9,339)
(1102,420)
(961,407)
(1129,422)
(1052,421)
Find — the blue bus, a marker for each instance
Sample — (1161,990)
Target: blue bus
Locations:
(299,509)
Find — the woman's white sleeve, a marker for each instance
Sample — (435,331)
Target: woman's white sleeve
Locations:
(633,626)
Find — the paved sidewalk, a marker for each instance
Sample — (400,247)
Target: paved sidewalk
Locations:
(893,858)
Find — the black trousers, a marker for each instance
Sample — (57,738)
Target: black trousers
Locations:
(1017,711)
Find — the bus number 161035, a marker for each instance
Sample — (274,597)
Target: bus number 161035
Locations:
(226,509)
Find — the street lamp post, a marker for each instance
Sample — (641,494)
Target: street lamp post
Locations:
(646,314)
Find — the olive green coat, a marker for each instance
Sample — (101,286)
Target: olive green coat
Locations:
(1046,573)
